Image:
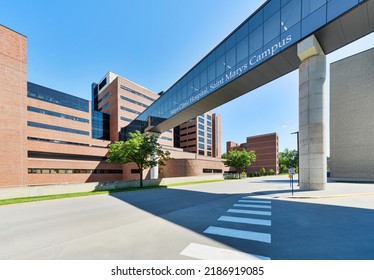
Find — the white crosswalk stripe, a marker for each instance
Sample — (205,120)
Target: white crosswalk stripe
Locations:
(255,201)
(240,211)
(253,206)
(245,220)
(242,234)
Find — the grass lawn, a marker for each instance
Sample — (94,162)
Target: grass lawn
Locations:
(68,195)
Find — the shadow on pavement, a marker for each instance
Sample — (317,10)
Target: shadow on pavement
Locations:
(299,230)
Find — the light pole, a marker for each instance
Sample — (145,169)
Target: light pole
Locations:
(298,158)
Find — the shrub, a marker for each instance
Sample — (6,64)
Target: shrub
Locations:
(262,171)
(271,172)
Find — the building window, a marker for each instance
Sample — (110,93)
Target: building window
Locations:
(126,119)
(72,171)
(201,146)
(166,138)
(201,120)
(201,152)
(209,123)
(209,154)
(211,170)
(209,117)
(130,110)
(59,142)
(209,148)
(209,142)
(102,84)
(201,133)
(58,128)
(64,156)
(134,102)
(100,125)
(103,97)
(104,106)
(201,139)
(137,93)
(201,126)
(135,171)
(209,135)
(209,129)
(56,97)
(55,114)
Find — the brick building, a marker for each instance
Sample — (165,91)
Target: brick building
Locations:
(200,135)
(51,137)
(266,148)
(124,100)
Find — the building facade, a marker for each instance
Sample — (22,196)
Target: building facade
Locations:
(13,120)
(200,135)
(60,143)
(266,148)
(124,100)
(352,118)
(51,137)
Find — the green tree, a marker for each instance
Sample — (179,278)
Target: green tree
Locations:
(143,150)
(240,160)
(287,159)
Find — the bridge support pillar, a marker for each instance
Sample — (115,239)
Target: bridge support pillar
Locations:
(312,115)
(154,170)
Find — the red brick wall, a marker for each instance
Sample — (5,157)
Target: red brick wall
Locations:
(187,164)
(13,92)
(189,167)
(266,149)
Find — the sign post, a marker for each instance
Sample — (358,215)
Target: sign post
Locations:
(291,172)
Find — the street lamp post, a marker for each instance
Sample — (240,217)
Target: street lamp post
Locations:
(298,157)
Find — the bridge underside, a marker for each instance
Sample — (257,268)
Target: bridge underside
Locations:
(342,31)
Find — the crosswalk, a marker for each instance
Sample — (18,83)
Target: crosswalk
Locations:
(254,214)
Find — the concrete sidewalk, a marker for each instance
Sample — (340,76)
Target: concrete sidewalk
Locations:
(337,189)
(332,189)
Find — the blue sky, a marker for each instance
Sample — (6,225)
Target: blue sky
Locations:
(153,43)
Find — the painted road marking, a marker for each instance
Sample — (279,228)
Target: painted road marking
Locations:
(253,206)
(204,252)
(263,213)
(241,234)
(257,198)
(245,220)
(256,201)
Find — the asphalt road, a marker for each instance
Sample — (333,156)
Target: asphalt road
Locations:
(247,219)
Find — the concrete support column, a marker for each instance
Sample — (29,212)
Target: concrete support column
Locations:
(312,115)
(154,170)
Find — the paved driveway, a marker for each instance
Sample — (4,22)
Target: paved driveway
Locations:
(230,220)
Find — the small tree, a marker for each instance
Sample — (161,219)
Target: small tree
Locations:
(240,160)
(287,159)
(262,171)
(143,150)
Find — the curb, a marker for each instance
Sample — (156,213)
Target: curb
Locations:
(329,196)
